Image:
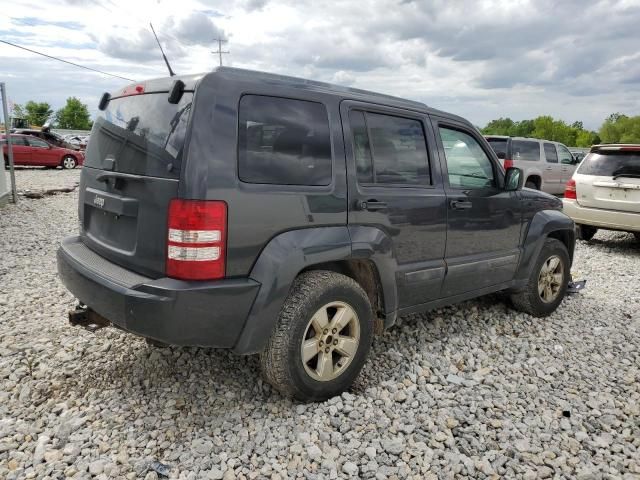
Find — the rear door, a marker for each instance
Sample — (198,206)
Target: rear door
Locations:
(131,172)
(21,152)
(610,180)
(394,185)
(483,226)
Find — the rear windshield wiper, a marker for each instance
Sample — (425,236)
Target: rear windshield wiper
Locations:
(625,174)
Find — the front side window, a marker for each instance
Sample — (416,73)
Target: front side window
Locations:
(468,165)
(564,155)
(283,141)
(525,150)
(389,149)
(36,142)
(550,153)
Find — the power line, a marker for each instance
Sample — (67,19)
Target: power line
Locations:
(219,51)
(66,61)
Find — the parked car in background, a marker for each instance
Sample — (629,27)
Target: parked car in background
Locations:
(77,140)
(47,136)
(579,153)
(604,192)
(35,152)
(298,223)
(547,165)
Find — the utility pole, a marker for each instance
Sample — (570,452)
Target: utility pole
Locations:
(220,51)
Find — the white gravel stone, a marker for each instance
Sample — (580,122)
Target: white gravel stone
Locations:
(475,390)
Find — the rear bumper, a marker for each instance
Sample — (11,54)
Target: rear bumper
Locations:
(596,217)
(210,314)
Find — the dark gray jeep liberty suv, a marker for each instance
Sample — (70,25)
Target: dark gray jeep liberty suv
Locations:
(293,218)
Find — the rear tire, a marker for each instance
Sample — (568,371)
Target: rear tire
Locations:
(68,162)
(547,283)
(531,184)
(586,232)
(637,235)
(321,339)
(156,343)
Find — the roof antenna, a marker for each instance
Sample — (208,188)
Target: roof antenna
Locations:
(171,72)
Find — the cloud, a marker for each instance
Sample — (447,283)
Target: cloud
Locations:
(195,29)
(483,60)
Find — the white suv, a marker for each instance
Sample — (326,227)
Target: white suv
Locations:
(605,191)
(547,165)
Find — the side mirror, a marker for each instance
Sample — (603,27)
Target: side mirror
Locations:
(513,179)
(502,155)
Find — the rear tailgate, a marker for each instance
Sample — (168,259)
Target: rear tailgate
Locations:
(610,181)
(131,173)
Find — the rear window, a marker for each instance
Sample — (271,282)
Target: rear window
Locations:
(142,134)
(611,164)
(283,141)
(525,150)
(499,145)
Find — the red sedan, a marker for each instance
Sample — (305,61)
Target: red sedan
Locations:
(35,152)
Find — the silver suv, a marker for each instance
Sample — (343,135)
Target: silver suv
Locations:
(547,165)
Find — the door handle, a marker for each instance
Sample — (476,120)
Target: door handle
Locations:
(549,168)
(460,204)
(373,205)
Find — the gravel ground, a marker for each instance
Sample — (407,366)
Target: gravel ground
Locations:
(475,390)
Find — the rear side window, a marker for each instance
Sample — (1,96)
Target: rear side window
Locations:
(142,134)
(611,164)
(499,145)
(525,150)
(283,141)
(389,149)
(550,153)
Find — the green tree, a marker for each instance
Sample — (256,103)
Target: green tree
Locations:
(501,126)
(37,112)
(586,139)
(619,128)
(17,111)
(74,115)
(523,128)
(577,125)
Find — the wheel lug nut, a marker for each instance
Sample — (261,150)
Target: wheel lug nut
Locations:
(335,342)
(334,330)
(326,350)
(321,343)
(325,331)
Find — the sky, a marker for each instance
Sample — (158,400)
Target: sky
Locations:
(482,59)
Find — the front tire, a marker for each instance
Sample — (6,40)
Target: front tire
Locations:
(321,339)
(547,283)
(586,232)
(68,162)
(531,184)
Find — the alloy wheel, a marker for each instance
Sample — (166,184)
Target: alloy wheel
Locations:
(330,341)
(550,279)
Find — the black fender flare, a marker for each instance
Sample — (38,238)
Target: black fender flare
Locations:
(544,223)
(291,252)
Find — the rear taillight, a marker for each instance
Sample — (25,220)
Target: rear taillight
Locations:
(508,164)
(570,190)
(197,233)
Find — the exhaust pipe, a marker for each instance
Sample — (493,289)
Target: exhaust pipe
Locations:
(86,318)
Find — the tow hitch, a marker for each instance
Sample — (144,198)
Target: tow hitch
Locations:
(87,318)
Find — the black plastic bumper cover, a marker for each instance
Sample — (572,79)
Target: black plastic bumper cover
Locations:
(208,314)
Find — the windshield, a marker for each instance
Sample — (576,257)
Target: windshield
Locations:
(611,164)
(141,134)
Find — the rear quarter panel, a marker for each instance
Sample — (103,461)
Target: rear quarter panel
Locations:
(256,213)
